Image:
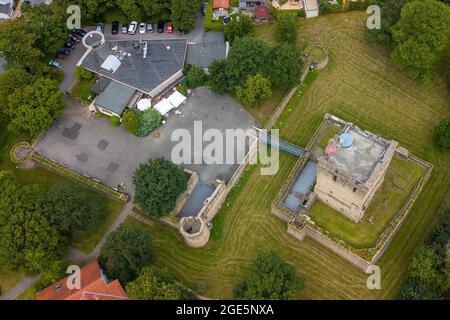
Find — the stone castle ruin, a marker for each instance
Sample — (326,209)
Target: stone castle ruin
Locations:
(352,169)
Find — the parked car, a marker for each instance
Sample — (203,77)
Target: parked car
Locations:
(100,27)
(70,45)
(80,32)
(64,51)
(125,28)
(204,7)
(169,27)
(133,27)
(142,28)
(55,64)
(160,26)
(149,27)
(115,28)
(75,38)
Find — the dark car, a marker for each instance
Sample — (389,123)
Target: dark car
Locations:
(125,28)
(75,38)
(64,51)
(160,26)
(70,45)
(204,7)
(115,28)
(79,32)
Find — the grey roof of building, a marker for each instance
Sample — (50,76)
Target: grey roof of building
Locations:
(214,37)
(115,97)
(164,59)
(6,9)
(202,54)
(2,63)
(100,85)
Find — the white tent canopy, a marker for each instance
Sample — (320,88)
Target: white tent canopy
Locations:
(173,101)
(176,99)
(164,106)
(144,104)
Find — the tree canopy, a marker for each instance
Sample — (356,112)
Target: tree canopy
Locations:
(126,251)
(257,88)
(31,109)
(184,14)
(72,209)
(248,56)
(239,27)
(158,184)
(217,80)
(270,278)
(30,242)
(156,284)
(421,35)
(287,65)
(286,29)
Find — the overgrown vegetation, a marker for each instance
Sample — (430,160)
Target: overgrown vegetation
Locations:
(442,134)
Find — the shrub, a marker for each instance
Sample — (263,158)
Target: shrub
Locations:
(255,91)
(115,121)
(82,73)
(131,121)
(239,28)
(150,120)
(270,278)
(442,134)
(195,76)
(158,184)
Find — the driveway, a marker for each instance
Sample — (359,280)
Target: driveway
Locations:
(93,147)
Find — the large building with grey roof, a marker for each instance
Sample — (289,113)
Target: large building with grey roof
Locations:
(352,168)
(6,9)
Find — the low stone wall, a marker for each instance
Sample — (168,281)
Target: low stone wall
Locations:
(182,199)
(214,202)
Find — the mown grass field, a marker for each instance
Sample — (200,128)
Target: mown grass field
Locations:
(360,85)
(400,180)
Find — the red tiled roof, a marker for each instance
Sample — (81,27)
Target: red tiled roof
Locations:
(262,12)
(93,287)
(217,4)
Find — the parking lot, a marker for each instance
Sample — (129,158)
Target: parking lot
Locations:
(93,147)
(69,62)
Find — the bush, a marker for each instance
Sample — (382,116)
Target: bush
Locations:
(125,252)
(82,73)
(255,91)
(270,278)
(158,184)
(150,120)
(131,121)
(239,28)
(195,76)
(115,121)
(183,88)
(442,134)
(217,79)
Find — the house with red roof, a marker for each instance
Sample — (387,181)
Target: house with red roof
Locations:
(93,285)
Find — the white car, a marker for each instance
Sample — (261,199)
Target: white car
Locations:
(142,28)
(133,27)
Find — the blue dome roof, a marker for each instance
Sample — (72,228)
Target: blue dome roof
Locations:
(346,140)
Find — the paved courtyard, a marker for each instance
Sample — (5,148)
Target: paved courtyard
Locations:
(93,147)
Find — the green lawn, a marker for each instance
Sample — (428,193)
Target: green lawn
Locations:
(8,279)
(82,90)
(330,132)
(400,180)
(263,113)
(360,85)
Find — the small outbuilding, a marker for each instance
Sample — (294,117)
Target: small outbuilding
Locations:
(262,14)
(114,99)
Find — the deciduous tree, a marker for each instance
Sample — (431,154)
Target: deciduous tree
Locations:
(158,184)
(125,252)
(257,88)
